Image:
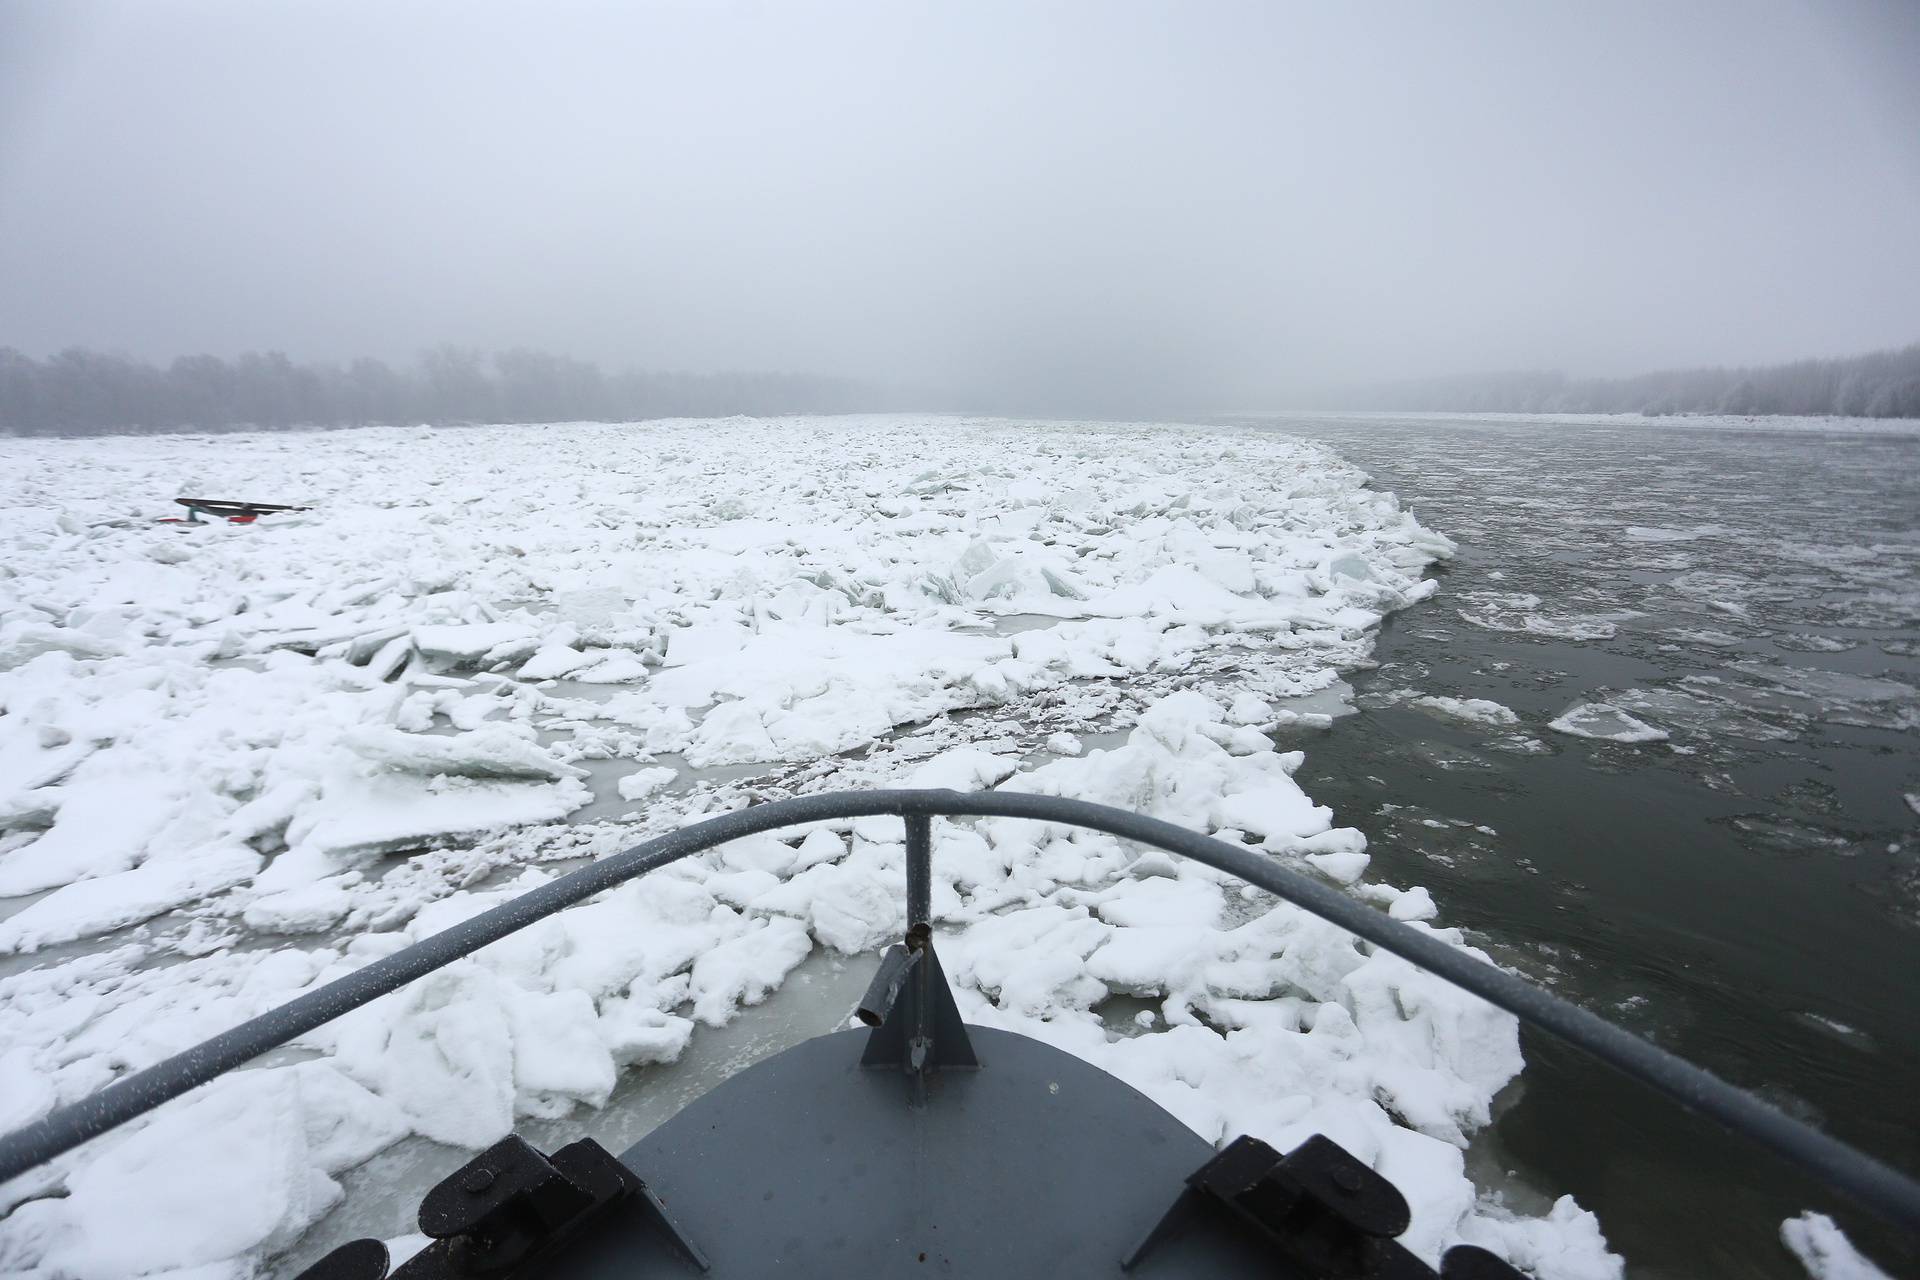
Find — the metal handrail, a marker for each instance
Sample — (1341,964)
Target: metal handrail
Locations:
(1875,1185)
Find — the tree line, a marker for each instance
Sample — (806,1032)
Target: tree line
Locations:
(82,392)
(1884,384)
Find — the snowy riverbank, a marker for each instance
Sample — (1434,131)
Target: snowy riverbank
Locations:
(487,649)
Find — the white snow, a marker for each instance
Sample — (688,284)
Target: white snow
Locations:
(296,747)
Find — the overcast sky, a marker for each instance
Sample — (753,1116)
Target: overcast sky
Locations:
(1218,203)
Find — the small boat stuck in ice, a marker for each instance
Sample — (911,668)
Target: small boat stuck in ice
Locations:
(919,1144)
(224,509)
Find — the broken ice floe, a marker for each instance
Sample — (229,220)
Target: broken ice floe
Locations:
(247,725)
(1606,723)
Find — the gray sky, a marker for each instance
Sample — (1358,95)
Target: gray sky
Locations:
(1225,204)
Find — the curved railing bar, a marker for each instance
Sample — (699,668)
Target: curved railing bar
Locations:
(1876,1186)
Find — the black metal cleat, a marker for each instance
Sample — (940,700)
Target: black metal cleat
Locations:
(1321,1211)
(504,1213)
(354,1260)
(1471,1262)
(917,1028)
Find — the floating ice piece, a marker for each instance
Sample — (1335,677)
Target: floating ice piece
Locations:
(1414,904)
(1277,808)
(1605,722)
(37,754)
(259,1178)
(108,814)
(1566,1243)
(312,908)
(1350,564)
(637,1031)
(552,661)
(160,884)
(1824,1250)
(963,769)
(704,640)
(441,1050)
(21,643)
(492,751)
(1344,867)
(1700,708)
(1320,708)
(469,643)
(1251,710)
(591,609)
(743,970)
(560,1056)
(1519,612)
(619,666)
(642,783)
(26,1093)
(1470,710)
(1174,589)
(358,817)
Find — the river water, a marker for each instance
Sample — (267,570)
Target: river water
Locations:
(1745,891)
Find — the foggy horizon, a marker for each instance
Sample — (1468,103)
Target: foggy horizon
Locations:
(1227,206)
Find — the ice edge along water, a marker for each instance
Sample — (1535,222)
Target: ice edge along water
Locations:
(238,726)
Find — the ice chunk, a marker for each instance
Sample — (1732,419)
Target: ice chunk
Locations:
(1349,564)
(107,902)
(1468,710)
(311,908)
(637,1031)
(1345,866)
(619,666)
(559,1054)
(21,643)
(742,970)
(963,769)
(255,1185)
(1277,808)
(469,643)
(108,815)
(553,661)
(1521,612)
(1824,1250)
(704,640)
(1251,710)
(1603,721)
(642,783)
(492,751)
(1414,904)
(357,816)
(441,1050)
(26,1092)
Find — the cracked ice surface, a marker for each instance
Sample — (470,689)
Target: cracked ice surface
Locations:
(358,725)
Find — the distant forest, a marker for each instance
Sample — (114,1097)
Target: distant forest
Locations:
(81,392)
(1885,384)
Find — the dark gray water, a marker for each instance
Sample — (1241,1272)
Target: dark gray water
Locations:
(1746,892)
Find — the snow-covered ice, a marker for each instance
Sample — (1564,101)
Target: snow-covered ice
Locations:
(295,747)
